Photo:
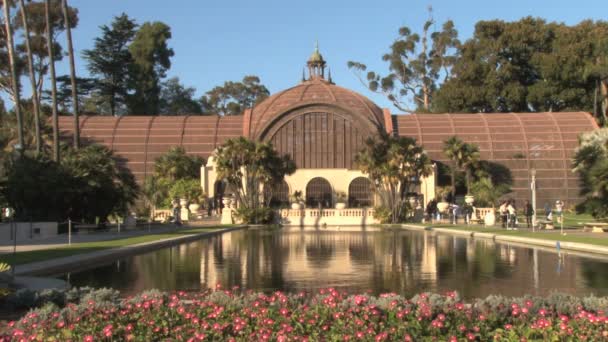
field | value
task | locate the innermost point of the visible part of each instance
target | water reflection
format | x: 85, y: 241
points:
x: 381, y: 261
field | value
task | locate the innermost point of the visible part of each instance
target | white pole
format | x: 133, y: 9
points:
x: 69, y: 231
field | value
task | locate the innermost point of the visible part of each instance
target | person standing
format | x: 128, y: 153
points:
x: 528, y: 212
x: 547, y: 211
x: 512, y: 214
x: 503, y: 213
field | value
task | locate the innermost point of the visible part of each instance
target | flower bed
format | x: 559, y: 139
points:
x: 327, y: 315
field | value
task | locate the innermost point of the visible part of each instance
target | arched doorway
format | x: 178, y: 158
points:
x: 360, y: 193
x: 318, y: 193
x: 276, y: 195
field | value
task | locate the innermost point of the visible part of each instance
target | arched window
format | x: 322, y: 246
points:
x: 277, y: 194
x: 318, y: 191
x: 360, y: 193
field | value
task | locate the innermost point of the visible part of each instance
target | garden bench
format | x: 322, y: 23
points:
x: 595, y: 227
x: 86, y: 228
x: 546, y: 224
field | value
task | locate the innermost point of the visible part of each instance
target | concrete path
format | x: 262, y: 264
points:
x: 6, y: 247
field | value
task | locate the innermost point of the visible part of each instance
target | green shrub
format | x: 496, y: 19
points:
x: 255, y: 216
x: 382, y: 214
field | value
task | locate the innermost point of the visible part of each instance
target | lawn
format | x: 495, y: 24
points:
x: 86, y: 247
x: 542, y: 235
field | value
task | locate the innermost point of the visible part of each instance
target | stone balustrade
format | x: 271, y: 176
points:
x: 162, y: 215
x: 319, y: 217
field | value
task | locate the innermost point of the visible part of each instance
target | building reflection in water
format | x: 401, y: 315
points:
x: 356, y: 260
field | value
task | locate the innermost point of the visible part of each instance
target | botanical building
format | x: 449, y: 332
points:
x: 322, y: 126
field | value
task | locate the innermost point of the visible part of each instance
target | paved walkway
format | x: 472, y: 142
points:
x: 6, y: 247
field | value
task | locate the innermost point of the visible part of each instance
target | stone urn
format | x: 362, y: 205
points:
x: 297, y: 206
x: 469, y: 199
x: 226, y: 201
x: 194, y: 207
x: 183, y: 202
x: 412, y: 200
x: 443, y: 207
x: 340, y: 205
x: 490, y: 218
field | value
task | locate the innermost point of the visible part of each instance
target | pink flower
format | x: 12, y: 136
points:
x: 88, y: 338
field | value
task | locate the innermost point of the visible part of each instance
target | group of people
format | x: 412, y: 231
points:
x: 454, y: 211
x: 508, y: 214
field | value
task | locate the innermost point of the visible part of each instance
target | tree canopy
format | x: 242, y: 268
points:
x: 394, y: 165
x: 528, y: 65
x: 233, y: 97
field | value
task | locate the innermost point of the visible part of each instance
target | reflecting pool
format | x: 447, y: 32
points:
x: 405, y: 262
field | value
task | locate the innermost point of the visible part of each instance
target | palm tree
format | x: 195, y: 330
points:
x: 49, y: 43
x: 14, y: 78
x: 452, y: 148
x: 68, y: 31
x: 35, y: 98
x: 470, y: 157
x: 464, y: 156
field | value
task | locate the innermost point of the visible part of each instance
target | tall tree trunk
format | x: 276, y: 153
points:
x: 49, y: 43
x: 14, y: 77
x: 604, y: 93
x: 468, y: 175
x: 453, y: 176
x: 30, y: 64
x: 68, y: 30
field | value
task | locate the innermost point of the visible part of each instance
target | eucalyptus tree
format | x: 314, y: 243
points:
x: 49, y: 44
x: 416, y: 63
x: 32, y: 75
x: 248, y: 166
x: 68, y: 31
x: 394, y: 165
x: 14, y: 74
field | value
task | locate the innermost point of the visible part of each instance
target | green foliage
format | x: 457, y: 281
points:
x: 383, y: 214
x: 487, y: 193
x: 89, y: 183
x: 233, y: 97
x: 416, y: 63
x: 464, y: 156
x: 527, y: 65
x: 38, y: 189
x: 190, y: 189
x: 247, y: 165
x: 110, y: 61
x: 177, y: 164
x: 104, y: 185
x: 394, y: 165
x: 173, y: 169
x: 341, y: 196
x: 37, y: 27
x: 297, y: 197
x: 151, y: 60
x: 263, y: 215
x: 177, y: 99
x: 591, y: 163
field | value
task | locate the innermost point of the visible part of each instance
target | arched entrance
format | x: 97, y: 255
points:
x: 276, y: 195
x: 360, y: 193
x: 318, y: 193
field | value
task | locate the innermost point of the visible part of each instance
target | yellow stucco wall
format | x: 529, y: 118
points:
x: 339, y: 179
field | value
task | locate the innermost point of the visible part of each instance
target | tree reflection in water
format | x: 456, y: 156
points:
x: 356, y: 260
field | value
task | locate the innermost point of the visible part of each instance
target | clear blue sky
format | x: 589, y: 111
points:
x: 215, y: 41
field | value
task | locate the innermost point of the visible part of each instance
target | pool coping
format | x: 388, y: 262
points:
x: 541, y: 242
x: 85, y: 260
